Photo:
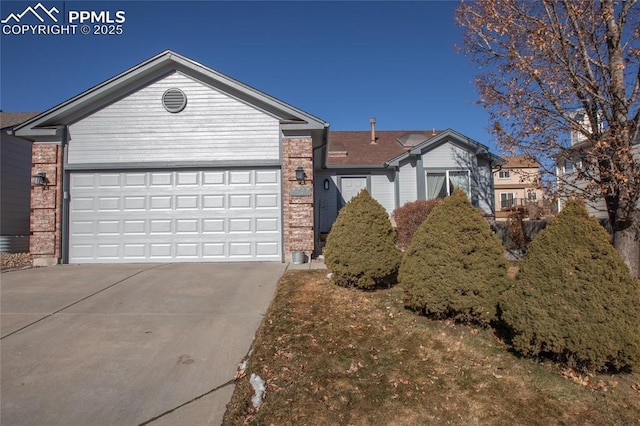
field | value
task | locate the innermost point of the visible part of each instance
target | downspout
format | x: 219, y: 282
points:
x: 316, y: 209
x: 65, y: 198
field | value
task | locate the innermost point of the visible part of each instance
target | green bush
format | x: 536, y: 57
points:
x: 409, y: 217
x: 574, y: 299
x: 360, y: 249
x: 455, y: 267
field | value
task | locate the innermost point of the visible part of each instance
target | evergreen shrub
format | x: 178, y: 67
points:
x: 574, y: 299
x: 360, y: 250
x: 455, y: 267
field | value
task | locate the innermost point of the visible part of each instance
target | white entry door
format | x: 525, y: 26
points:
x: 175, y: 216
x: 351, y: 186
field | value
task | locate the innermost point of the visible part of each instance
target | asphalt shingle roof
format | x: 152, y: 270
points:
x: 11, y: 119
x: 354, y: 148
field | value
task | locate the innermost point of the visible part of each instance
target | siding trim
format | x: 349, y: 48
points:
x: 396, y: 188
x: 421, y: 186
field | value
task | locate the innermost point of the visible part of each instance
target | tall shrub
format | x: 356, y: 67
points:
x: 455, y: 267
x: 574, y: 299
x: 409, y: 217
x: 360, y: 249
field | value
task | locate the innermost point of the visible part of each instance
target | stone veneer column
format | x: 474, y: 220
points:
x: 297, y: 198
x: 46, y: 205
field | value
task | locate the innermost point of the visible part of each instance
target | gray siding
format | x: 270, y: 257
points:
x: 596, y: 208
x: 482, y: 182
x: 447, y: 156
x: 15, y: 170
x: 213, y: 127
x: 408, y: 183
x: 382, y: 189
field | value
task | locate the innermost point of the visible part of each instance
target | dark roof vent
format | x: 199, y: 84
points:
x: 411, y: 140
x: 174, y: 100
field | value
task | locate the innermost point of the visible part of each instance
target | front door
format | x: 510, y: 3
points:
x: 350, y: 187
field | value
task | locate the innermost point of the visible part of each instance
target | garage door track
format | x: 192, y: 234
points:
x: 127, y: 344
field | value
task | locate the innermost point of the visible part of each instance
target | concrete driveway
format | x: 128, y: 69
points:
x: 126, y: 344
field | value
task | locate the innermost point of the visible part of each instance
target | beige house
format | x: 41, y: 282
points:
x: 516, y: 185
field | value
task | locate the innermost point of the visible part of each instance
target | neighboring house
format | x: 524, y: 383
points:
x: 397, y: 167
x: 568, y: 167
x: 517, y: 187
x: 171, y: 161
x: 15, y: 184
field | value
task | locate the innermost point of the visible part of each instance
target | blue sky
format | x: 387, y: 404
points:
x: 340, y: 61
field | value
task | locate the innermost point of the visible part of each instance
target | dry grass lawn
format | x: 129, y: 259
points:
x: 331, y: 355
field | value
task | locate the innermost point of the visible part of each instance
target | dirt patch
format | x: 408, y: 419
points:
x: 332, y: 355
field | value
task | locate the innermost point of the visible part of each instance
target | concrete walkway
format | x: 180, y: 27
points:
x: 127, y: 344
x: 315, y: 263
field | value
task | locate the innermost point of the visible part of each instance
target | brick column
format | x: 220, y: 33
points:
x: 46, y: 205
x: 297, y: 198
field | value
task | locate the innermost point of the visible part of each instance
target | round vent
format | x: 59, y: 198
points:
x: 174, y: 100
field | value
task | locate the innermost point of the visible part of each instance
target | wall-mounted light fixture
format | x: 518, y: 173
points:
x: 300, y: 175
x: 326, y: 184
x: 40, y: 179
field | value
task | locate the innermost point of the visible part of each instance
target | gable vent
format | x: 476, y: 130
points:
x: 174, y: 100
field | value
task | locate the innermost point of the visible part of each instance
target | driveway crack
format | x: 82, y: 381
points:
x: 209, y: 392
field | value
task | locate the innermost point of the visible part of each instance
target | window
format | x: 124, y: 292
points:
x: 568, y: 166
x: 441, y: 184
x: 507, y: 200
x: 532, y: 196
x: 504, y: 174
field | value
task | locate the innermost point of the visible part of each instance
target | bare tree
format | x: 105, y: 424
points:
x: 543, y: 61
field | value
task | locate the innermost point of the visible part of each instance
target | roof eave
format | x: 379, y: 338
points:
x: 356, y: 166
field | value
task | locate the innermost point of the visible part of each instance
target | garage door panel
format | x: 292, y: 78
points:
x: 213, y: 202
x: 109, y: 180
x: 240, y: 201
x: 267, y: 176
x: 215, y: 215
x: 214, y: 178
x: 240, y: 177
x: 135, y: 180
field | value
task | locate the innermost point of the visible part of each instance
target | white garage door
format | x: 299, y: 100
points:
x: 175, y: 216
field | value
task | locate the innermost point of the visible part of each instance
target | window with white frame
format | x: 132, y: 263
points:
x: 504, y: 174
x: 443, y: 183
x: 532, y: 196
x: 507, y: 200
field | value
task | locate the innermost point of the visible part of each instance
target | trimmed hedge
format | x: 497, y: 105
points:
x: 360, y: 249
x: 409, y: 217
x: 574, y: 299
x: 455, y: 267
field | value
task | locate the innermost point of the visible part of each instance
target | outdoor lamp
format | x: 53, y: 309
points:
x: 300, y: 175
x: 40, y: 179
x: 326, y: 184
